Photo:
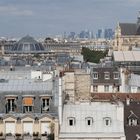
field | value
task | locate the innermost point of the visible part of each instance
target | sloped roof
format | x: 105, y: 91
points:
x: 115, y: 96
x: 128, y: 28
x: 126, y: 56
x: 134, y: 80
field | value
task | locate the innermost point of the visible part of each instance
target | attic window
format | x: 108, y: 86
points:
x: 27, y: 104
x: 107, y: 121
x: 132, y: 119
x: 95, y: 75
x: 89, y: 121
x: 45, y: 103
x: 71, y: 121
x: 106, y: 75
x: 116, y: 75
x: 132, y: 122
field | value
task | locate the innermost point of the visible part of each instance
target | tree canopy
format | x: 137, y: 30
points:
x: 93, y: 55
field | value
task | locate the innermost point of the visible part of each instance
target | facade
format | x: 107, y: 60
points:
x: 95, y: 120
x: 127, y: 36
x: 133, y: 83
x: 81, y: 117
x: 76, y: 85
x: 131, y: 111
x: 71, y: 48
x: 105, y: 79
x: 28, y: 104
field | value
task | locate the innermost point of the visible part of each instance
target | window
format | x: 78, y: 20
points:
x: 133, y: 119
x: 133, y: 122
x: 106, y: 88
x: 95, y: 75
x: 107, y: 75
x: 71, y: 121
x: 107, y: 121
x: 27, y: 104
x: 10, y: 104
x: 116, y: 75
x: 95, y: 88
x: 45, y: 103
x: 89, y: 121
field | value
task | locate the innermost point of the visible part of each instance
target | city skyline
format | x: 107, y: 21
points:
x: 53, y: 17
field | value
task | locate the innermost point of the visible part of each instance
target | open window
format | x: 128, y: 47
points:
x: 45, y: 103
x: 11, y: 104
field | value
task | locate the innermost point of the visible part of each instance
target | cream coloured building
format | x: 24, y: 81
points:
x: 28, y: 105
x: 127, y: 36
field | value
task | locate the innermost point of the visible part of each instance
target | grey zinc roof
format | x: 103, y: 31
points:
x: 126, y: 56
x: 128, y: 28
x: 134, y: 80
x: 21, y: 81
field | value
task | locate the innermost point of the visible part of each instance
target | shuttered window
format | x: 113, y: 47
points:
x: 28, y: 101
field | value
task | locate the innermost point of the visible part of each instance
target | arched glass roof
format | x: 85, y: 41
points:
x: 27, y: 44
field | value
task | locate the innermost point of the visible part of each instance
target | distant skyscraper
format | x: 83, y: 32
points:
x: 100, y: 33
x: 108, y: 34
x: 72, y: 35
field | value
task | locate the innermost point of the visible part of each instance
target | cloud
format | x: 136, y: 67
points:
x: 12, y: 10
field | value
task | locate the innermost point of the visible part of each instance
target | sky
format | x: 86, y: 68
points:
x: 41, y: 18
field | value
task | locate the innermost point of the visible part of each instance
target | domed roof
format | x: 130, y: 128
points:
x: 27, y: 44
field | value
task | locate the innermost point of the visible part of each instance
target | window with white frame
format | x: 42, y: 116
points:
x: 89, y: 121
x: 10, y: 104
x: 45, y: 103
x: 132, y: 122
x: 133, y: 119
x: 95, y: 75
x: 106, y: 88
x: 71, y: 121
x: 95, y: 88
x: 107, y: 121
x: 116, y: 75
x: 106, y: 75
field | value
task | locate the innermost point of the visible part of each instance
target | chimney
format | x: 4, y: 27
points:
x: 127, y: 100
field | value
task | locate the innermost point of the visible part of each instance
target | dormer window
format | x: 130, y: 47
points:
x: 45, y: 103
x: 11, y: 104
x: 116, y: 75
x: 107, y: 121
x: 71, y: 121
x: 106, y: 75
x: 28, y: 104
x: 95, y: 75
x: 89, y: 121
x: 133, y: 122
x: 132, y: 119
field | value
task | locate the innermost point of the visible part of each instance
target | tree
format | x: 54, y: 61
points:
x: 92, y: 55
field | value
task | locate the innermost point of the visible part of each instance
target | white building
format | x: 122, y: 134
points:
x: 134, y: 86
x: 92, y: 121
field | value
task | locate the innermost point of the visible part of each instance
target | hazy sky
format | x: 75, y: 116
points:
x: 46, y: 17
